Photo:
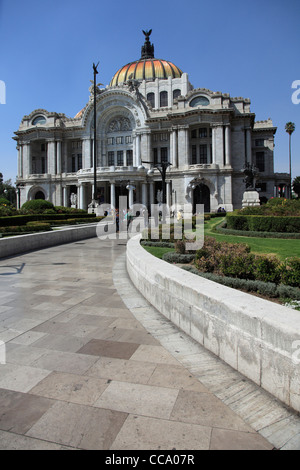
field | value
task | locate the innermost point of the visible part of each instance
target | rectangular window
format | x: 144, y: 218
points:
x: 155, y: 156
x: 120, y: 160
x: 202, y: 132
x: 194, y: 154
x: 203, y: 153
x: 129, y: 157
x: 43, y: 148
x: 260, y: 161
x: 110, y: 141
x: 164, y: 154
x: 119, y: 140
x: 79, y: 161
x: 259, y: 143
x: 43, y: 160
x: 128, y: 139
x: 111, y: 158
x: 163, y: 137
x: 73, y: 163
x: 194, y: 134
x: 79, y: 144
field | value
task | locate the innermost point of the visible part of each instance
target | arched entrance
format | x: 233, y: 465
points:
x: 39, y: 195
x: 201, y: 196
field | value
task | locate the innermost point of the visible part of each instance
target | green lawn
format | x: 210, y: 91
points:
x: 157, y: 250
x: 283, y: 248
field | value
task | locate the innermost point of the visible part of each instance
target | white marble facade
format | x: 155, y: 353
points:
x: 207, y: 137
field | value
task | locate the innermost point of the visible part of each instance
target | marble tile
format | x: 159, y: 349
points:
x: 71, y: 388
x: 138, y: 399
x: 143, y: 433
x: 116, y: 349
x: 20, y: 411
x: 79, y: 426
x: 21, y: 378
x: 122, y: 370
x: 223, y: 439
x: 207, y: 410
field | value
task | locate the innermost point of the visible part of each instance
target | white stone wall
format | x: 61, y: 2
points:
x: 254, y: 336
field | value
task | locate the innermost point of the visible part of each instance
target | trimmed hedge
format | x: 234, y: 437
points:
x: 222, y: 228
x: 180, y: 258
x: 261, y: 223
x: 264, y: 288
x: 31, y: 227
x: 24, y: 219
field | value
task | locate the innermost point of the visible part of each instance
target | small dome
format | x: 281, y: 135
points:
x: 146, y: 69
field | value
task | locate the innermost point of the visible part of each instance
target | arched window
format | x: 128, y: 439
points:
x: 151, y: 99
x: 163, y: 103
x: 39, y: 195
x: 199, y: 101
x: 39, y: 120
x: 176, y: 93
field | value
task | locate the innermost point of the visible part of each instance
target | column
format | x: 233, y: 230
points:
x: 112, y: 194
x: 168, y: 193
x: 227, y: 146
x: 174, y: 148
x: 20, y: 160
x: 145, y: 152
x: 130, y: 195
x: 26, y: 159
x: 65, y: 196
x: 138, y: 150
x: 213, y: 144
x: 183, y: 146
x: 144, y: 194
x: 58, y: 157
x: 51, y: 157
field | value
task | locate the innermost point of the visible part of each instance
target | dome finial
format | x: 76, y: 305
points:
x: 147, y: 48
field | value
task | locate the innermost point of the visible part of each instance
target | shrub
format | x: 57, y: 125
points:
x: 267, y: 269
x: 4, y: 202
x: 263, y: 223
x: 36, y: 206
x: 180, y: 246
x: 180, y: 258
x: 290, y: 272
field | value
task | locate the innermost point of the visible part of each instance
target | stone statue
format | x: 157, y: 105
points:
x: 250, y: 173
x: 73, y: 199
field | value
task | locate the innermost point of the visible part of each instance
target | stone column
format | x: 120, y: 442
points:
x: 58, y: 158
x: 65, y: 196
x: 213, y: 144
x: 20, y: 160
x: 227, y: 146
x: 112, y: 194
x: 174, y: 148
x: 138, y: 150
x: 51, y: 157
x: 183, y: 146
x: 168, y: 193
x: 26, y: 159
x: 144, y: 194
x: 130, y: 196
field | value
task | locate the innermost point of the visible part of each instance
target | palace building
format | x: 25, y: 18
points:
x: 149, y: 114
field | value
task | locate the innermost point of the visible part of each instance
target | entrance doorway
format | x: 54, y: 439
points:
x: 39, y: 195
x: 201, y: 196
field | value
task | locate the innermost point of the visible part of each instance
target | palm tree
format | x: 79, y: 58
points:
x: 289, y: 128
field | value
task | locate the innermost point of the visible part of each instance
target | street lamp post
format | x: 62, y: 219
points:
x: 162, y: 168
x: 95, y: 134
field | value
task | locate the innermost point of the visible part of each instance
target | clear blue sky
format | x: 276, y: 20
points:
x: 248, y: 49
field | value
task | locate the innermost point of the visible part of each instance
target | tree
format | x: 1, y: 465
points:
x: 289, y: 128
x: 7, y: 190
x: 296, y: 186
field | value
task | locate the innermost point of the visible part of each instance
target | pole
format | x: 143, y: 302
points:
x: 290, y: 160
x: 95, y: 134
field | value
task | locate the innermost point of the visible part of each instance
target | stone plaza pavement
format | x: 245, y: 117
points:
x: 91, y: 365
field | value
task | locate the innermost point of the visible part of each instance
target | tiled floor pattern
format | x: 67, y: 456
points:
x: 82, y: 372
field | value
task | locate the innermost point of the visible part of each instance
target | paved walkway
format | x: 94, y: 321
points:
x: 91, y: 365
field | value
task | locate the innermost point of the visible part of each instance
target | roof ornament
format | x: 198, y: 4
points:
x: 147, y: 48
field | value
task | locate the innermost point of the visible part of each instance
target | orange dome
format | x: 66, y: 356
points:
x: 146, y: 69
